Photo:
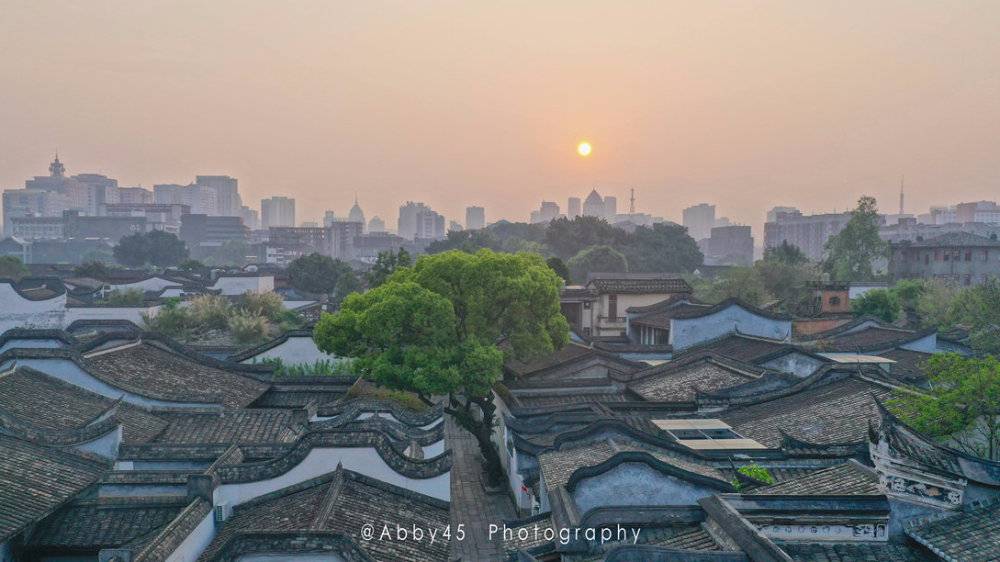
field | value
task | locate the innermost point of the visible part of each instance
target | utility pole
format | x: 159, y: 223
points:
x: 631, y: 201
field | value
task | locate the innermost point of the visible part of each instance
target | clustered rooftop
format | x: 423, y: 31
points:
x: 722, y: 437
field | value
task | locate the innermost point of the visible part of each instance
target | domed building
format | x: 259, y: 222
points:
x: 356, y: 214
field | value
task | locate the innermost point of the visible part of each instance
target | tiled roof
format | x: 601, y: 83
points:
x: 833, y: 413
x: 694, y: 538
x: 567, y: 353
x: 868, y: 338
x: 661, y: 318
x: 739, y: 347
x: 638, y: 283
x: 94, y: 524
x: 558, y: 466
x: 563, y: 399
x: 856, y: 552
x: 681, y: 383
x: 277, y: 398
x: 341, y: 502
x: 231, y: 426
x: 848, y: 478
x: 957, y: 240
x: 49, y: 403
x: 910, y: 365
x: 151, y: 371
x: 971, y: 535
x: 35, y: 480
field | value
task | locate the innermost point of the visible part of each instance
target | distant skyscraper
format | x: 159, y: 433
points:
x: 610, y: 207
x: 475, y: 218
x: 455, y: 226
x: 135, y: 195
x: 277, y: 211
x: 699, y: 220
x: 251, y: 218
x: 376, y: 224
x: 356, y: 214
x: 545, y: 213
x: 593, y: 206
x: 226, y: 190
x: 417, y: 220
x: 773, y: 214
x: 573, y: 207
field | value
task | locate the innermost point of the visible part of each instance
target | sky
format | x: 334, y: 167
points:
x: 743, y: 104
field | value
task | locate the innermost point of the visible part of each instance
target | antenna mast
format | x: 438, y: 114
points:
x: 631, y: 201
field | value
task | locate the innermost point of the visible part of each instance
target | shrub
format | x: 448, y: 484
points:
x: 171, y: 320
x: 269, y: 305
x: 210, y: 312
x: 755, y: 471
x: 320, y: 367
x: 124, y: 297
x: 247, y: 328
x: 403, y: 398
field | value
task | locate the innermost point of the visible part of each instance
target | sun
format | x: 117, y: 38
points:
x: 583, y: 149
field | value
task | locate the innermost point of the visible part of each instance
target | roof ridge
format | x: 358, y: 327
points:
x: 330, y: 499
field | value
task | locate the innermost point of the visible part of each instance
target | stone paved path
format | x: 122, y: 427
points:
x: 470, y: 504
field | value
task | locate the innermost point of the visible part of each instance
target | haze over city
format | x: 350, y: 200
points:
x: 457, y: 103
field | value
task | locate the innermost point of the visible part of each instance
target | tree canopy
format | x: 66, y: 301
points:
x: 158, y: 248
x: 386, y: 264
x: 962, y: 405
x: 852, y: 253
x: 444, y: 327
x: 881, y: 303
x: 596, y: 259
x: 316, y: 273
x: 787, y: 254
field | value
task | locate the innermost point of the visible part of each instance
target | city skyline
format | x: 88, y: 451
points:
x: 684, y: 103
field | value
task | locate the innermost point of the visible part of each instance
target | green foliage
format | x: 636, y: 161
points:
x: 316, y: 273
x: 210, y: 312
x: 787, y: 254
x: 172, y: 320
x: 435, y: 329
x: 347, y: 283
x: 124, y: 297
x: 93, y: 269
x: 386, y: 264
x: 230, y: 253
x: 962, y: 406
x: 247, y: 327
x: 405, y: 399
x: 792, y: 284
x: 568, y: 237
x: 662, y: 247
x: 191, y: 265
x: 755, y: 471
x: 319, y: 367
x: 852, y: 252
x: 557, y: 265
x: 743, y: 283
x: 881, y: 303
x: 596, y: 259
x: 12, y: 268
x: 269, y: 305
x: 158, y: 248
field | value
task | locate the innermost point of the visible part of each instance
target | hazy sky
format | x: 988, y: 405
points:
x: 744, y: 104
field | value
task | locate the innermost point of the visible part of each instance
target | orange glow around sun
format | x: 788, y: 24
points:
x: 584, y: 149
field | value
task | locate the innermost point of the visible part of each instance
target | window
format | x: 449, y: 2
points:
x: 612, y: 307
x: 834, y: 301
x: 968, y: 255
x: 927, y: 258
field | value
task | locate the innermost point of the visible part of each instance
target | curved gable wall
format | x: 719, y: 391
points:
x: 633, y: 484
x: 686, y: 332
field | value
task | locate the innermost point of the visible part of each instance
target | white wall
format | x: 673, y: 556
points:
x: 196, y: 542
x: 685, y: 333
x: 295, y: 350
x: 34, y: 343
x: 19, y: 312
x: 151, y: 284
x: 233, y: 286
x: 322, y: 461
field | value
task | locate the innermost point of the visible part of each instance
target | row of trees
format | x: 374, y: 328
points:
x: 586, y: 244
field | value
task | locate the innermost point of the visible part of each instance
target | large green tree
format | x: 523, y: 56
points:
x: 158, y: 248
x: 596, y: 259
x: 566, y: 238
x: 852, y: 253
x: 662, y: 247
x: 962, y: 406
x: 880, y: 303
x: 444, y: 328
x: 316, y: 273
x: 386, y: 264
x: 785, y: 253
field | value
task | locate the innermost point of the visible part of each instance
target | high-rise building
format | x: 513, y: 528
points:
x: 593, y: 205
x: 277, y: 211
x: 610, y: 207
x: 226, y: 191
x: 573, y: 207
x: 809, y: 232
x: 979, y: 211
x: 417, y: 220
x: 356, y: 214
x: 775, y: 212
x: 251, y: 218
x: 46, y: 196
x: 475, y: 218
x: 730, y: 245
x: 547, y: 212
x: 135, y: 196
x: 376, y: 225
x: 699, y: 220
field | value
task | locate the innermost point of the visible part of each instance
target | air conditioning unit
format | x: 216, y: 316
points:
x: 222, y: 512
